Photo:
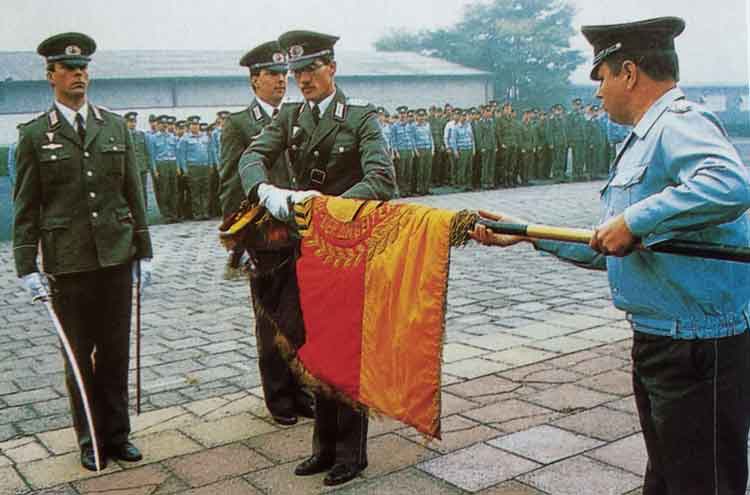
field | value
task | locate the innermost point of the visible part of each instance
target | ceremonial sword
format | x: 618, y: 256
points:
x: 583, y: 236
x: 76, y: 373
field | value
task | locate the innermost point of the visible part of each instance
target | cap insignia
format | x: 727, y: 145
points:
x: 296, y: 51
x: 72, y: 50
x: 279, y: 58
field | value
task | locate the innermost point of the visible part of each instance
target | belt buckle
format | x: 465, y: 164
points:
x: 317, y: 176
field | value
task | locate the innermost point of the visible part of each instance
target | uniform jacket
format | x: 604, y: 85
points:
x: 344, y: 155
x: 676, y: 176
x: 239, y: 131
x: 82, y: 201
x: 142, y: 151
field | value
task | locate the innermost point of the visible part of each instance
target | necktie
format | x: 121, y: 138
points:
x: 275, y: 113
x: 316, y: 113
x: 80, y: 128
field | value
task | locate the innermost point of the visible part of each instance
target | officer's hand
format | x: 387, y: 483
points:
x: 146, y: 268
x: 279, y: 201
x: 485, y: 236
x: 613, y: 237
x: 37, y: 285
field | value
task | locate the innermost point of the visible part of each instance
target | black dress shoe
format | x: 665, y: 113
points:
x: 341, y: 473
x: 126, y: 451
x: 313, y: 465
x: 285, y: 419
x: 88, y: 460
x: 304, y: 409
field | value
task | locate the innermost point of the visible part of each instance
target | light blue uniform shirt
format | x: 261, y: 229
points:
x: 676, y: 176
x: 461, y: 137
x: 215, y: 149
x: 12, y: 166
x: 163, y: 147
x: 401, y: 138
x: 422, y: 136
x: 386, y: 130
x: 193, y: 150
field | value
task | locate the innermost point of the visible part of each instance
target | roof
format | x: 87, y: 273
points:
x: 151, y: 64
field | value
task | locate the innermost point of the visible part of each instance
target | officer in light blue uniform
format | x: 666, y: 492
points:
x: 461, y: 143
x: 193, y: 158
x: 164, y: 153
x: 12, y: 166
x: 402, y: 142
x: 385, y: 127
x: 425, y: 149
x: 676, y: 176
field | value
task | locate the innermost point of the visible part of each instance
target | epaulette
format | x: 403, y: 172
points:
x: 680, y: 106
x: 33, y: 119
x: 357, y: 102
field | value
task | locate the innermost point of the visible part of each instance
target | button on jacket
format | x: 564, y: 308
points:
x: 677, y: 176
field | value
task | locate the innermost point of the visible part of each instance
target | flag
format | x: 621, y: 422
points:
x: 372, y: 278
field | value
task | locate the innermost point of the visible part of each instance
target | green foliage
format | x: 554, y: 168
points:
x: 524, y: 43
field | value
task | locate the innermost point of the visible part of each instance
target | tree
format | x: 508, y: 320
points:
x: 523, y: 43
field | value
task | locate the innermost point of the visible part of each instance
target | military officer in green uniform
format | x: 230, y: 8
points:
x: 272, y: 274
x: 437, y: 122
x: 575, y: 131
x: 336, y: 147
x: 142, y: 153
x: 78, y: 195
x: 558, y: 142
x: 486, y: 147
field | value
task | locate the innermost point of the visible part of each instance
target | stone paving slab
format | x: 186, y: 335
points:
x: 582, y: 475
x: 545, y: 444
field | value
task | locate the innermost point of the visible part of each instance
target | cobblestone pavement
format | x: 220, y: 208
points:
x: 536, y: 387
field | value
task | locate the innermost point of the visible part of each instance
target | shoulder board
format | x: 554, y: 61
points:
x: 34, y: 118
x: 680, y: 106
x: 357, y: 102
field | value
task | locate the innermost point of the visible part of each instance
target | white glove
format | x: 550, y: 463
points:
x: 279, y: 202
x: 37, y: 285
x: 147, y: 267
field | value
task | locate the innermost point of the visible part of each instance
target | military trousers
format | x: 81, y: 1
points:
x: 197, y: 186
x: 340, y: 432
x: 214, y: 184
x: 168, y: 193
x: 405, y: 171
x: 527, y: 165
x: 273, y: 290
x: 94, y: 308
x: 438, y: 166
x: 487, y: 168
x: 693, y: 401
x: 463, y: 169
x: 423, y: 171
x: 559, y: 161
x: 578, y: 166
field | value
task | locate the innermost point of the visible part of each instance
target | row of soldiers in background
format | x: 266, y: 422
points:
x: 491, y: 146
x: 182, y: 157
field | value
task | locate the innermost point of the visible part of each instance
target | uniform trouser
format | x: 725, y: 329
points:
x: 525, y: 164
x: 166, y: 184
x: 94, y: 309
x: 693, y: 400
x: 578, y: 153
x: 405, y: 171
x: 544, y: 162
x: 487, y: 168
x: 438, y: 167
x: 510, y: 165
x: 450, y: 164
x: 214, y: 206
x: 276, y: 303
x: 423, y: 171
x: 462, y: 175
x: 559, y: 161
x: 340, y: 432
x: 197, y: 189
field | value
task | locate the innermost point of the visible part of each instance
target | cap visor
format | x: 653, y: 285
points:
x: 300, y: 64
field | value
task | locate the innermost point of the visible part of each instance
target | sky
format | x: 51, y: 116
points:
x: 713, y: 48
